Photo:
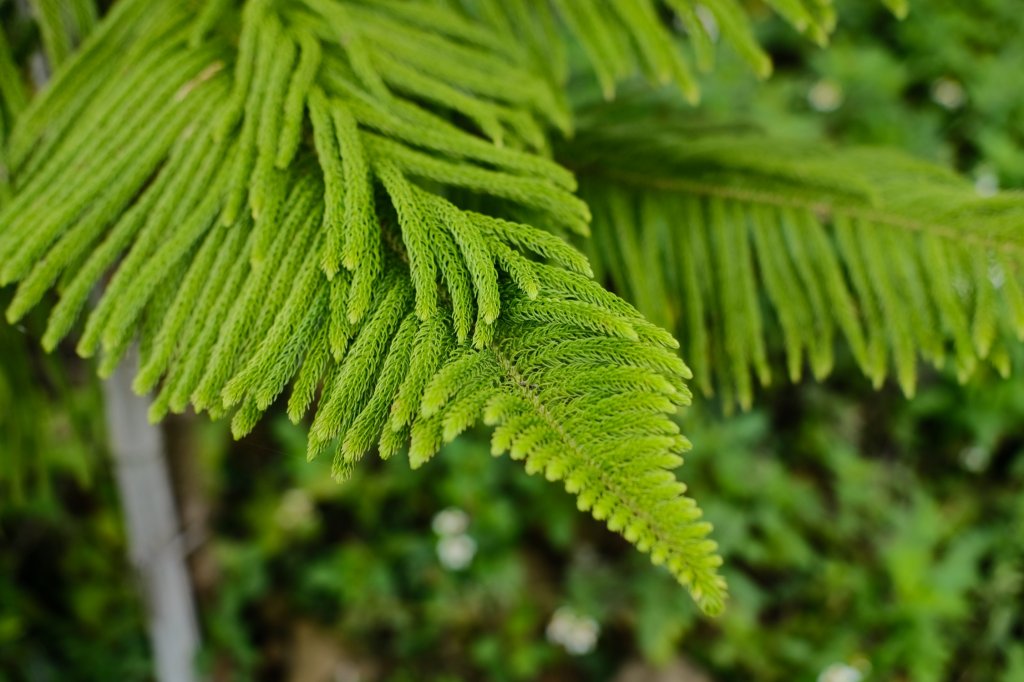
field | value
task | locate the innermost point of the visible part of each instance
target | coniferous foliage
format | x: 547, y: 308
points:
x: 901, y: 259
x: 275, y: 192
x: 356, y: 203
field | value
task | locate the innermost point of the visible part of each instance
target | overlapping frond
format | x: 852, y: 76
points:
x: 728, y: 238
x: 384, y: 159
x: 623, y: 37
x: 339, y: 198
x: 13, y: 98
x: 62, y: 26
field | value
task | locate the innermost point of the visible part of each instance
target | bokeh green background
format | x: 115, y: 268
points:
x: 865, y: 537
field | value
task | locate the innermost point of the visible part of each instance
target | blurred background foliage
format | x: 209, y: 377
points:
x: 865, y: 537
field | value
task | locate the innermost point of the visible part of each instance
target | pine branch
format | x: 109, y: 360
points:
x: 622, y: 37
x: 283, y: 195
x: 33, y: 451
x: 13, y: 98
x: 62, y: 25
x: 901, y: 258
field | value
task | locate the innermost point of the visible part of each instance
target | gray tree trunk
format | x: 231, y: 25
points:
x: 156, y: 545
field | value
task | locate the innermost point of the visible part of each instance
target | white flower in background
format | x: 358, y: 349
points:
x: 840, y: 672
x: 456, y: 552
x: 295, y: 509
x: 974, y: 459
x: 986, y: 182
x: 455, y: 549
x: 825, y: 96
x: 948, y: 93
x: 450, y: 521
x: 575, y: 633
